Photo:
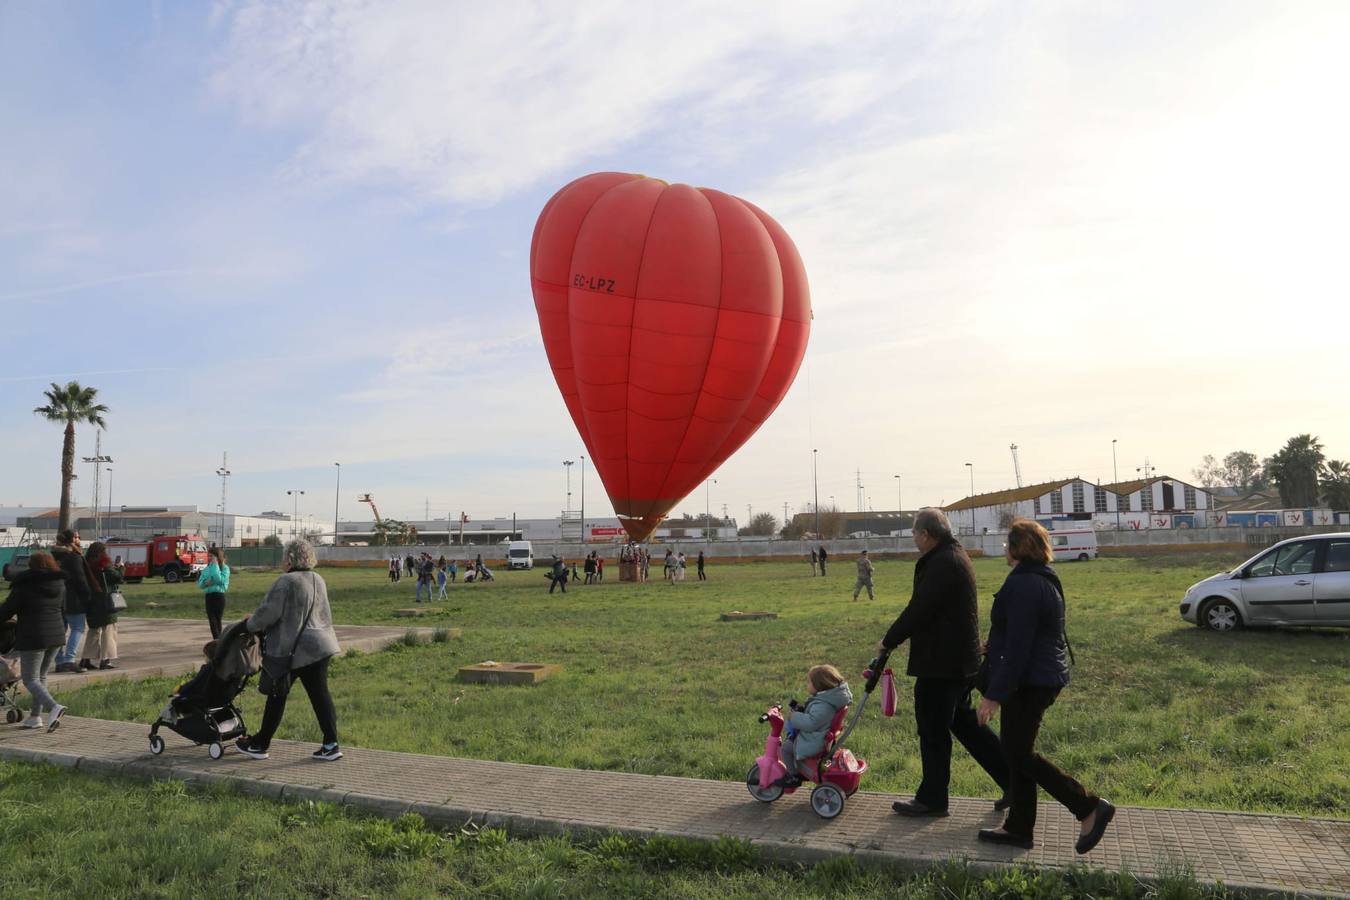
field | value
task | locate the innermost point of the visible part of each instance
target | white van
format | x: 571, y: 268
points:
x: 520, y: 555
x: 1075, y: 543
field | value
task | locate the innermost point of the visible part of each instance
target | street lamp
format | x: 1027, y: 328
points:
x: 899, y: 510
x: 98, y: 459
x: 109, y: 471
x: 295, y: 508
x: 971, y: 466
x: 1115, y: 479
x: 568, y: 464
x: 337, y: 492
x: 583, y: 498
x: 224, y: 474
x: 707, y: 509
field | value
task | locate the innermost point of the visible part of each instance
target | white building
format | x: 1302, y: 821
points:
x: 597, y: 530
x: 1158, y: 502
x: 137, y: 522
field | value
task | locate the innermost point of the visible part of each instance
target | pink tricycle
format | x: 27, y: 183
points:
x: 836, y: 772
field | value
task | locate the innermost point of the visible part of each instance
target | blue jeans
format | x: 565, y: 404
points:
x: 76, y: 624
x: 421, y: 584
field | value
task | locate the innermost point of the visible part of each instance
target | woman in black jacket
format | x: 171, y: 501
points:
x: 1027, y: 669
x: 100, y: 647
x: 38, y: 598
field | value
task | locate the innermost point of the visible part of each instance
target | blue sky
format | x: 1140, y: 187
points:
x: 299, y: 233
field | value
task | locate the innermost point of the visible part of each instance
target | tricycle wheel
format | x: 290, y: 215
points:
x: 156, y: 744
x: 763, y: 795
x: 827, y: 800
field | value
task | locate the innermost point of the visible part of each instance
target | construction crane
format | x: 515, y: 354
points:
x: 368, y: 498
x: 1017, y: 466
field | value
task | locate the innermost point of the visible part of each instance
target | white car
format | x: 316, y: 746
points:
x: 1300, y: 582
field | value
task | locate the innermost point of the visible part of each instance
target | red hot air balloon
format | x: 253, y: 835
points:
x: 675, y: 319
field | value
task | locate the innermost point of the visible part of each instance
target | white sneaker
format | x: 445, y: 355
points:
x: 32, y: 722
x: 54, y: 717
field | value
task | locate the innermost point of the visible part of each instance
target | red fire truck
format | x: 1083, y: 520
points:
x: 177, y: 557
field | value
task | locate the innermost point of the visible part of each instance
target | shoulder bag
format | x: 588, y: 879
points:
x: 116, y: 602
x: 274, y: 679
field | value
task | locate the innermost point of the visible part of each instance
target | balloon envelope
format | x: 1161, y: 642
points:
x: 675, y: 319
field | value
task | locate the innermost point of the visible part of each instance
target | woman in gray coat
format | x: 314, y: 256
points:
x: 296, y: 621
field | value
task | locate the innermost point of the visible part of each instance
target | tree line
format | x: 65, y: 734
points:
x: 1300, y: 471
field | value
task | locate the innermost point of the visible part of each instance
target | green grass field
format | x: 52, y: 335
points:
x: 1159, y: 712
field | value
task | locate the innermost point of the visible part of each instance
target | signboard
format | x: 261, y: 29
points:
x: 1160, y: 521
x: 602, y: 531
x: 1294, y: 517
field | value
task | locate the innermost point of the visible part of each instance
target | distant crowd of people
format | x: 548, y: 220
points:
x: 435, y: 574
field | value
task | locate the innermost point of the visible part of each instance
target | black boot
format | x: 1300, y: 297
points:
x: 86, y: 665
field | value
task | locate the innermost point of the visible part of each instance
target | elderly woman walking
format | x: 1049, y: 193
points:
x: 1027, y: 670
x: 38, y: 598
x: 298, y: 643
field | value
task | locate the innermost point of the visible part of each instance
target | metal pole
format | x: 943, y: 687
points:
x: 337, y: 493
x: 971, y: 466
x: 899, y: 512
x: 224, y: 473
x: 815, y: 493
x: 583, y: 498
x: 1115, y: 479
x: 567, y: 464
x: 295, y: 508
x: 109, y: 471
x: 707, y: 509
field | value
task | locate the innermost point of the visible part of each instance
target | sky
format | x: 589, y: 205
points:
x: 298, y: 232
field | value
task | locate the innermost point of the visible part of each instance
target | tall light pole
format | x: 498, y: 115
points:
x: 971, y: 466
x: 1115, y: 479
x: 567, y: 463
x: 98, y: 459
x: 295, y: 508
x: 899, y: 511
x: 815, y: 493
x: 337, y: 493
x: 109, y: 471
x: 224, y: 473
x: 583, y: 498
x: 707, y: 509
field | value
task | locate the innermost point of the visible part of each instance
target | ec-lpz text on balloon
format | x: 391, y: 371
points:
x: 592, y: 283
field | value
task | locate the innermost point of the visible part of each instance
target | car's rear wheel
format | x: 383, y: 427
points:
x: 1220, y: 615
x: 172, y: 576
x: 1083, y: 557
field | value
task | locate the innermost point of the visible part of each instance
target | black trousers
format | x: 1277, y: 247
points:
x: 558, y: 582
x: 942, y: 709
x: 215, y: 612
x: 315, y: 679
x: 1021, y: 717
x: 701, y: 576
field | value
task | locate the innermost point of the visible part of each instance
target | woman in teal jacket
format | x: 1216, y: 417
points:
x: 215, y: 581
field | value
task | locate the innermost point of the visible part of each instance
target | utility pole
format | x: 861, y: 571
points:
x: 98, y: 459
x: 971, y: 466
x: 583, y: 499
x: 337, y: 493
x: 224, y: 473
x: 785, y: 506
x: 109, y: 471
x: 567, y: 463
x: 858, y: 496
x: 1017, y: 466
x: 899, y: 511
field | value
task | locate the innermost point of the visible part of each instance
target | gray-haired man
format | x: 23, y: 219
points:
x: 941, y: 624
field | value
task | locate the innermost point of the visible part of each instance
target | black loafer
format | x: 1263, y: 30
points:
x: 1105, y: 813
x: 1002, y: 803
x: 917, y: 810
x: 999, y: 836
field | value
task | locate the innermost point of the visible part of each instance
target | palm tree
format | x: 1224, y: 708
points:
x: 1336, y: 484
x: 1295, y: 469
x: 70, y: 404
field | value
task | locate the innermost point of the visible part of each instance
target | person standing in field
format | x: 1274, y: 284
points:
x: 668, y: 570
x: 37, y: 595
x: 941, y: 624
x: 393, y: 569
x: 589, y: 567
x: 823, y: 556
x: 815, y: 562
x: 557, y: 575
x: 646, y: 563
x: 214, y: 582
x: 599, y: 567
x: 452, y: 570
x: 865, y: 570
x: 701, y: 575
x: 1027, y: 670
x: 440, y: 579
x: 67, y: 554
x: 680, y: 564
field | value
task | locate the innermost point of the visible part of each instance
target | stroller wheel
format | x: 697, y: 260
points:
x: 763, y: 795
x: 216, y: 750
x: 827, y: 800
x: 156, y: 744
x: 12, y: 716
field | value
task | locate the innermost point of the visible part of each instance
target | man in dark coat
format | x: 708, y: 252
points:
x: 79, y: 592
x: 557, y: 575
x: 941, y: 624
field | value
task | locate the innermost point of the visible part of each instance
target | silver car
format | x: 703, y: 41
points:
x: 1302, y: 581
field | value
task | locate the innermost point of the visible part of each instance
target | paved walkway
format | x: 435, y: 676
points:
x: 148, y: 647
x: 1256, y: 851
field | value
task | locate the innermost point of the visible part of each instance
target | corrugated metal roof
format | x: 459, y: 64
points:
x: 1015, y: 495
